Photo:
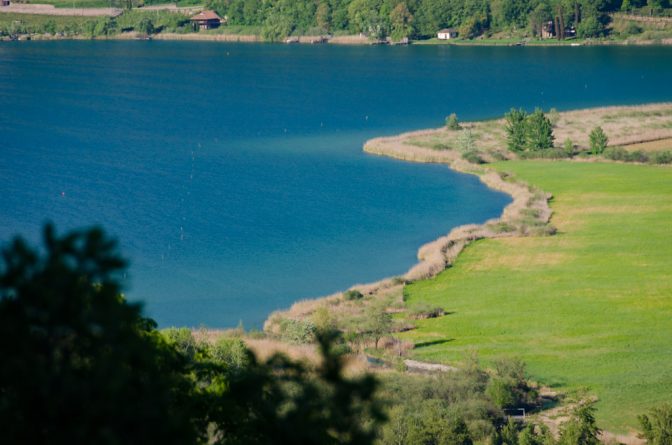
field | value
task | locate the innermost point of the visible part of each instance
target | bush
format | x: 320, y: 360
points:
x: 232, y: 353
x: 182, y: 340
x: 580, y: 429
x: 590, y: 27
x: 551, y: 153
x: 554, y: 117
x: 424, y: 312
x: 466, y: 141
x: 657, y: 425
x: 616, y: 153
x: 637, y: 156
x: 598, y: 141
x: 452, y: 123
x: 473, y: 156
x: 661, y: 157
x: 297, y: 331
x: 568, y: 147
x: 352, y: 294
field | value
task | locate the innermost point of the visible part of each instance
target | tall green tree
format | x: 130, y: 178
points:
x: 516, y: 134
x: 581, y: 428
x: 539, y: 131
x: 401, y: 21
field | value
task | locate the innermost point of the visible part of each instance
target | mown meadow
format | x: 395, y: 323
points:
x: 589, y: 308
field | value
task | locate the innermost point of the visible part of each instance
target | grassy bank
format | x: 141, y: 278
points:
x: 587, y: 308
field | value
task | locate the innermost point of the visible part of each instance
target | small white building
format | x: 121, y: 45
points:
x: 447, y: 34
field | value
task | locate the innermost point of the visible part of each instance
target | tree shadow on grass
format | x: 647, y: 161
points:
x: 425, y: 344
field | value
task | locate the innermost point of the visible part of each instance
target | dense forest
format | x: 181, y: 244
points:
x: 422, y: 18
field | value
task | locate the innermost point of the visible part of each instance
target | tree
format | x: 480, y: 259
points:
x: 509, y: 433
x: 452, y: 123
x: 401, y: 21
x: 322, y: 16
x: 466, y: 141
x: 378, y: 323
x: 277, y: 26
x: 590, y: 27
x: 598, y: 140
x: 535, y: 435
x: 515, y: 129
x: 538, y: 17
x: 657, y: 425
x: 363, y: 15
x: 580, y: 429
x: 80, y: 364
x: 539, y: 131
x: 146, y: 26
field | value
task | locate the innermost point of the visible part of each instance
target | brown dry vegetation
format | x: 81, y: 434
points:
x: 623, y: 126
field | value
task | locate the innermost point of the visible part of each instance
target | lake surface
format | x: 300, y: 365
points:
x: 232, y: 174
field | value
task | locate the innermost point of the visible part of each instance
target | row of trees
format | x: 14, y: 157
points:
x: 533, y: 133
x: 423, y: 18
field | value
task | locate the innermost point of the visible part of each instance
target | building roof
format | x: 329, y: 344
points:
x: 447, y: 30
x: 206, y: 15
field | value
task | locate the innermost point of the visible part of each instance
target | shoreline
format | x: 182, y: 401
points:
x: 436, y: 256
x: 348, y: 40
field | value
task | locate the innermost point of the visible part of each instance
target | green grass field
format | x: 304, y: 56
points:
x: 588, y: 308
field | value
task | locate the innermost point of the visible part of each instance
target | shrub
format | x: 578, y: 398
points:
x: 466, y: 141
x: 553, y: 117
x: 598, y: 141
x: 297, y: 331
x: 590, y: 27
x: 661, y: 157
x: 232, y: 353
x: 182, y: 340
x: 657, y: 425
x: 551, y: 153
x: 424, y: 312
x: 352, y: 294
x: 323, y: 319
x: 637, y: 156
x: 615, y: 153
x: 580, y: 429
x: 452, y: 123
x: 568, y: 147
x: 473, y: 157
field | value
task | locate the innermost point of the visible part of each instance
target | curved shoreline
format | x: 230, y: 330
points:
x: 528, y: 214
x: 438, y: 255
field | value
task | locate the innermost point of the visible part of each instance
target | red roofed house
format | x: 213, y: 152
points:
x: 207, y: 20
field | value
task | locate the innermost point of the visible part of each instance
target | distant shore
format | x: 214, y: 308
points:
x: 359, y: 40
x: 338, y: 40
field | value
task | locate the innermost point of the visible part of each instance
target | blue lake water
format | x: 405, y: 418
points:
x: 232, y: 174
